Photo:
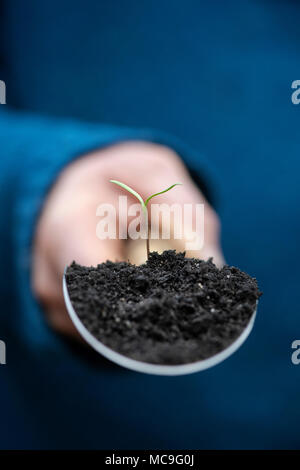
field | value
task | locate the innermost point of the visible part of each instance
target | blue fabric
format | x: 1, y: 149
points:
x: 218, y: 76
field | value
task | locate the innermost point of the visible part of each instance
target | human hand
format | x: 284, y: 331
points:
x: 66, y: 230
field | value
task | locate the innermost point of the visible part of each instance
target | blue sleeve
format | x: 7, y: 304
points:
x: 34, y: 149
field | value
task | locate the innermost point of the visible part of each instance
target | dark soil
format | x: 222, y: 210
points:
x: 170, y: 310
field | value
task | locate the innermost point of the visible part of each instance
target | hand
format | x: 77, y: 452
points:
x: 66, y: 230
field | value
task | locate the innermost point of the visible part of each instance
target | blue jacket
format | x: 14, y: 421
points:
x: 217, y: 75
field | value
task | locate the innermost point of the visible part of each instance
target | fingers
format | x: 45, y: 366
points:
x: 151, y: 168
x: 192, y: 218
x: 80, y: 243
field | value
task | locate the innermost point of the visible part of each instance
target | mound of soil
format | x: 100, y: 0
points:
x: 170, y: 310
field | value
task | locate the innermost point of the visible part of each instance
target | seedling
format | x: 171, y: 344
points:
x: 144, y: 204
